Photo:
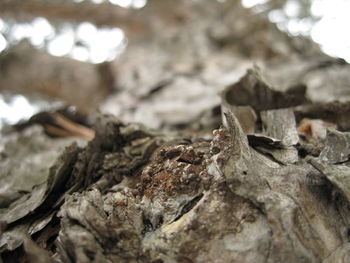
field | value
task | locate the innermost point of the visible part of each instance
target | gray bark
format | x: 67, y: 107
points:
x: 150, y: 196
x: 260, y: 188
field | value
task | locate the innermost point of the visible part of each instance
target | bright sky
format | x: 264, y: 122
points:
x: 104, y: 44
x: 23, y: 109
x: 96, y: 45
x: 86, y: 42
x: 83, y: 42
x: 19, y: 107
x: 331, y: 32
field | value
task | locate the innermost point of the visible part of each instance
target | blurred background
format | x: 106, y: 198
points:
x: 113, y: 56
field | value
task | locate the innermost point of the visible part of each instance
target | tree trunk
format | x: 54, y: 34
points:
x: 258, y: 173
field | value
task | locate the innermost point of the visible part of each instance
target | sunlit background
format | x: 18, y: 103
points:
x: 330, y: 30
x: 83, y: 41
x: 326, y: 24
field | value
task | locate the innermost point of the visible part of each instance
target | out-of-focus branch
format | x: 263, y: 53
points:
x: 99, y: 14
x: 77, y: 83
x: 155, y: 16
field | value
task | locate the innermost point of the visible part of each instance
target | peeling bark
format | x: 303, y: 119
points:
x: 260, y: 188
x: 135, y: 195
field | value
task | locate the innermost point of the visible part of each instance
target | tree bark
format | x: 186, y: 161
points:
x: 257, y: 174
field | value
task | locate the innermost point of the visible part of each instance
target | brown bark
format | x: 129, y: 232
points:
x: 26, y: 70
x: 59, y: 11
x: 258, y: 189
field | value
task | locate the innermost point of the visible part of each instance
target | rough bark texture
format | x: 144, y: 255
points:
x: 270, y: 185
x: 133, y: 195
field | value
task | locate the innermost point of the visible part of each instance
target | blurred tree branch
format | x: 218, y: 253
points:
x: 135, y: 22
x: 99, y: 14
